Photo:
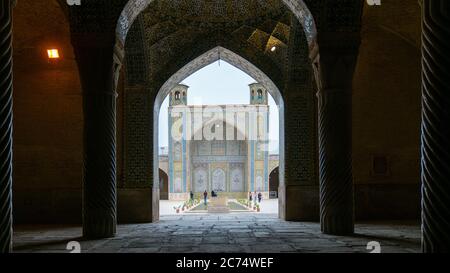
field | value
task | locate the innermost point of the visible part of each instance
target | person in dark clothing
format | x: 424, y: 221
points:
x: 259, y: 197
x: 192, y: 195
x: 205, y: 197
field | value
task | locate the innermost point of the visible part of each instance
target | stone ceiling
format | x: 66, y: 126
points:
x: 169, y: 34
x: 259, y: 19
x: 217, y: 10
x: 168, y: 24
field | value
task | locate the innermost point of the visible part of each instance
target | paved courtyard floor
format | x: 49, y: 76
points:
x: 166, y: 207
x: 237, y: 232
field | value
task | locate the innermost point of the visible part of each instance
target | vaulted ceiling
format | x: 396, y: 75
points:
x: 216, y: 10
x: 168, y: 28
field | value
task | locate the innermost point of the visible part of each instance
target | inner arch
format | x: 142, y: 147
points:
x: 209, y: 57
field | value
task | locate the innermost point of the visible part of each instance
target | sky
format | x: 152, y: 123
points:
x: 220, y: 83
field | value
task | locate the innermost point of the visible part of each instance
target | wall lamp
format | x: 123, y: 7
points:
x: 53, y: 55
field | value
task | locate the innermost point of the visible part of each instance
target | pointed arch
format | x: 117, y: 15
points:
x: 200, y: 62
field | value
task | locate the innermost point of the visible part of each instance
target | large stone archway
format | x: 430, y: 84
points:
x: 337, y: 37
x: 302, y: 108
x: 340, y: 43
x: 293, y: 78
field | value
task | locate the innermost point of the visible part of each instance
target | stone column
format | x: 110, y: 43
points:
x: 95, y: 63
x: 5, y: 126
x: 138, y: 199
x: 335, y: 142
x: 338, y: 54
x: 436, y: 126
x: 301, y: 193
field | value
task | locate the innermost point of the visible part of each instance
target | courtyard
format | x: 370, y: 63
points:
x: 167, y: 207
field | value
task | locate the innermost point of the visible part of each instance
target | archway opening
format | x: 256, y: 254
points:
x: 253, y: 43
x: 163, y: 180
x: 274, y: 180
x: 225, y: 153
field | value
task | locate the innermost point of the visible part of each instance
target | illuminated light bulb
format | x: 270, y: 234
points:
x: 273, y: 49
x: 53, y: 53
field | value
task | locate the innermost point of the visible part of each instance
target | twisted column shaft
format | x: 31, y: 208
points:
x: 5, y: 126
x: 99, y: 106
x: 335, y: 160
x: 436, y: 126
x: 334, y: 70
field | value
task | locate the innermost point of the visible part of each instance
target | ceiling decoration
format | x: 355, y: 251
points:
x: 222, y: 11
x: 215, y: 11
x: 261, y: 23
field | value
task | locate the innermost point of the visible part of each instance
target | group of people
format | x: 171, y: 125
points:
x: 253, y: 197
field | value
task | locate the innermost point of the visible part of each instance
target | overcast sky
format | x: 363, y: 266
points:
x: 219, y: 84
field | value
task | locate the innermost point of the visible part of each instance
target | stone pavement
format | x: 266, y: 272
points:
x: 166, y: 207
x: 239, y: 232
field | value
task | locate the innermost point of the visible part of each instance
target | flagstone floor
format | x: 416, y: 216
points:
x: 238, y: 232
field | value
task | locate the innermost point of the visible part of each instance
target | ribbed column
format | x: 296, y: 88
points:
x: 99, y: 105
x: 436, y: 126
x: 5, y: 127
x: 335, y: 160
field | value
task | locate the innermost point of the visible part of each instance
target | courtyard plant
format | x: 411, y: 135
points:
x: 177, y: 208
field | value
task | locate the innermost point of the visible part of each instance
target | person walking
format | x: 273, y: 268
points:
x: 192, y: 196
x: 259, y: 197
x: 205, y: 197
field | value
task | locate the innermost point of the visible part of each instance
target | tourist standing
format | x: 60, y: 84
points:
x: 192, y: 195
x: 205, y: 196
x: 259, y: 197
x: 250, y: 197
